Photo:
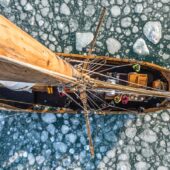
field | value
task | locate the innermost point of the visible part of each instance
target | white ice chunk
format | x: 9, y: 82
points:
x: 71, y: 137
x: 45, y: 11
x: 64, y: 129
x: 126, y: 10
x: 40, y: 159
x: 153, y: 31
x: 64, y: 9
x: 73, y: 24
x: 113, y: 45
x: 126, y: 22
x: 115, y: 11
x: 147, y: 152
x: 44, y: 2
x: 83, y: 39
x: 148, y: 136
x: 31, y: 159
x: 44, y: 136
x: 23, y: 2
x: 165, y: 56
x: 140, y: 47
x: 28, y: 7
x: 165, y: 1
x: 135, y: 29
x: 89, y: 10
x: 51, y: 129
x: 123, y: 165
x: 60, y: 147
x: 131, y: 132
x: 4, y: 3
x: 111, y: 153
x: 48, y: 117
x: 2, y: 122
x: 162, y: 168
x: 142, y: 166
x: 139, y: 8
x: 165, y: 116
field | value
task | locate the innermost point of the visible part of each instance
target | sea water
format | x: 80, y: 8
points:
x: 135, y: 29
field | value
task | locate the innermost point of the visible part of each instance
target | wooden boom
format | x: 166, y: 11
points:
x: 106, y: 85
x: 22, y: 58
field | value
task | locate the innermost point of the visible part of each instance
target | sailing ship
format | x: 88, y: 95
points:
x: 35, y: 79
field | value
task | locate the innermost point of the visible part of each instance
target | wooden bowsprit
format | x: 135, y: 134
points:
x: 83, y: 93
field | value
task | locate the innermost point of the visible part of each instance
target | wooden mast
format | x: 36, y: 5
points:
x: 22, y: 58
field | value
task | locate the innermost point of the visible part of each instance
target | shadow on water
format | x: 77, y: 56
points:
x: 23, y: 133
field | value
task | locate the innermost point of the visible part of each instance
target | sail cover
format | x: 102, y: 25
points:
x: 17, y: 86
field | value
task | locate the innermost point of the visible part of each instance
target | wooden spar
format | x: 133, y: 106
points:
x: 26, y: 55
x: 85, y: 65
x: 107, y: 85
x: 13, y: 70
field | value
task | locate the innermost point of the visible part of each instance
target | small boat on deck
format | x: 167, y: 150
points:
x: 35, y: 79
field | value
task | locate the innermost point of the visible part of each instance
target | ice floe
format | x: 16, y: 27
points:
x: 31, y: 159
x: 142, y: 166
x: 140, y: 47
x: 64, y: 9
x: 44, y: 2
x: 51, y: 129
x: 2, y: 122
x: 165, y: 1
x: 44, y: 11
x: 44, y: 136
x: 147, y: 152
x: 39, y: 159
x: 23, y: 2
x: 65, y: 129
x: 153, y: 31
x: 73, y: 24
x: 115, y: 11
x: 48, y: 117
x: 83, y: 39
x: 126, y: 22
x: 28, y: 7
x: 131, y: 132
x: 5, y: 3
x: 127, y: 10
x: 148, y: 136
x: 123, y: 165
x: 60, y: 147
x: 162, y: 168
x: 89, y: 10
x: 138, y: 8
x: 111, y: 154
x: 165, y: 116
x: 113, y: 45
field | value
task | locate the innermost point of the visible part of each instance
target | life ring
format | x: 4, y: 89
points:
x: 125, y: 99
x: 136, y: 67
x: 117, y: 99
